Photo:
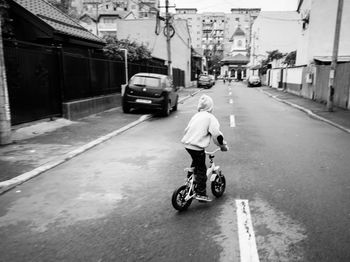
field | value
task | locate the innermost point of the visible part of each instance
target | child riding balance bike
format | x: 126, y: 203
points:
x: 202, y: 127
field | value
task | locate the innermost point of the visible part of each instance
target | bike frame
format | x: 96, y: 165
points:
x: 211, y: 172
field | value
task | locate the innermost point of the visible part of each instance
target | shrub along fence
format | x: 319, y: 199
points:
x: 41, y: 78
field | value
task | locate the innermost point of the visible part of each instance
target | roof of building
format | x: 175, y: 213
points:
x: 189, y: 8
x: 56, y: 19
x: 237, y: 59
x: 238, y: 31
x: 279, y: 16
x: 119, y: 13
x: 329, y: 58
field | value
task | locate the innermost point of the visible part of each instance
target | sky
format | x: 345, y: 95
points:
x: 226, y: 5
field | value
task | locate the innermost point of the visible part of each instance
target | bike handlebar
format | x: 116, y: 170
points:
x: 212, y: 152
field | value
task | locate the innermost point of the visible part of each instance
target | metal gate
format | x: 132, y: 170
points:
x: 33, y: 81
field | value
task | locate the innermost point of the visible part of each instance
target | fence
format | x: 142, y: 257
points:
x: 40, y: 78
x: 33, y: 82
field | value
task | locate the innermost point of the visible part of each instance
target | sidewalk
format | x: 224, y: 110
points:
x: 42, y: 145
x: 339, y: 118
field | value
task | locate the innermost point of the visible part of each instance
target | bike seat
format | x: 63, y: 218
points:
x: 189, y: 169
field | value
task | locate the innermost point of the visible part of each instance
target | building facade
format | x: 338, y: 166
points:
x: 212, y: 32
x: 317, y: 29
x: 99, y: 16
x: 273, y: 30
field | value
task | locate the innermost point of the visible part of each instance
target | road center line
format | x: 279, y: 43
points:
x: 232, y: 121
x: 247, y: 244
x: 229, y: 93
x: 231, y: 101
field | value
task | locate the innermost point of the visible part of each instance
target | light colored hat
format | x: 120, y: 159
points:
x: 205, y: 103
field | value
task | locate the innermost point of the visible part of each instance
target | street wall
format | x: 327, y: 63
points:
x: 312, y: 82
x: 275, y: 77
x: 292, y: 79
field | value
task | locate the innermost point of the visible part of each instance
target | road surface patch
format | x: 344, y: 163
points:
x: 246, y: 236
x: 232, y: 121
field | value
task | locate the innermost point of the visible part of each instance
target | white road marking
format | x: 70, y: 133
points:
x: 231, y: 101
x: 232, y: 121
x: 229, y: 93
x: 247, y: 244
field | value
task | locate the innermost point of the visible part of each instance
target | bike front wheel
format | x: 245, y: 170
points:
x: 218, y: 186
x: 178, y: 198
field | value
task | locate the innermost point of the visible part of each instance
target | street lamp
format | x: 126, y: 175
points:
x: 126, y: 69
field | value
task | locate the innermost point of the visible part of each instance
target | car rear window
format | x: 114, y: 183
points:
x: 145, y: 81
x: 255, y: 78
x: 203, y: 78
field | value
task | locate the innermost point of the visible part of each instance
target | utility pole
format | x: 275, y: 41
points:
x: 5, y: 117
x: 168, y: 37
x: 96, y: 3
x: 331, y: 86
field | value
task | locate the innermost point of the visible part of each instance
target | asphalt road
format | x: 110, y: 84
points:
x: 112, y: 203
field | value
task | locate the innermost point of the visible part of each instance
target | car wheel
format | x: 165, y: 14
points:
x: 126, y: 107
x: 166, y: 109
x: 175, y: 106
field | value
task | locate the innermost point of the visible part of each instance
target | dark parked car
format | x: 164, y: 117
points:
x: 153, y: 91
x: 253, y: 81
x: 205, y: 81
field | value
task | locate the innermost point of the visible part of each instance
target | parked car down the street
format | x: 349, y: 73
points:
x: 212, y: 78
x: 204, y: 81
x: 253, y: 81
x: 150, y: 91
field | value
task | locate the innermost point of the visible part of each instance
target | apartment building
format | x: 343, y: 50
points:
x: 210, y: 30
x: 100, y: 16
x: 213, y: 33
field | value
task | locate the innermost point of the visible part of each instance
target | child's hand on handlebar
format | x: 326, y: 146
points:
x: 224, y: 147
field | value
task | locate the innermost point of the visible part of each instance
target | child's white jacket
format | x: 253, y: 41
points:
x: 202, y: 126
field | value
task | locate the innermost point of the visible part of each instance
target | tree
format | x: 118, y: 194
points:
x: 136, y: 51
x: 214, y: 62
x: 274, y: 55
x: 290, y: 58
x: 271, y: 55
x: 6, y: 21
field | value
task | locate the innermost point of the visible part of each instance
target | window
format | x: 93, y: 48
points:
x: 237, y: 19
x: 109, y: 20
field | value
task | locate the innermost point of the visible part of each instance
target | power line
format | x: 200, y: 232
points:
x: 278, y: 19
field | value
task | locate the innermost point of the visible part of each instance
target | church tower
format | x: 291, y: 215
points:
x: 239, y: 43
x: 235, y: 64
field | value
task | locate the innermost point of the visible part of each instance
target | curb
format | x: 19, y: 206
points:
x: 308, y: 112
x: 9, y: 184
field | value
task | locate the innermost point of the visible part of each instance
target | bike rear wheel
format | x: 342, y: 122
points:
x: 218, y: 186
x: 178, y: 198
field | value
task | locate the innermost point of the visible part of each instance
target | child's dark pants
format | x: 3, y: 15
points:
x: 200, y: 170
